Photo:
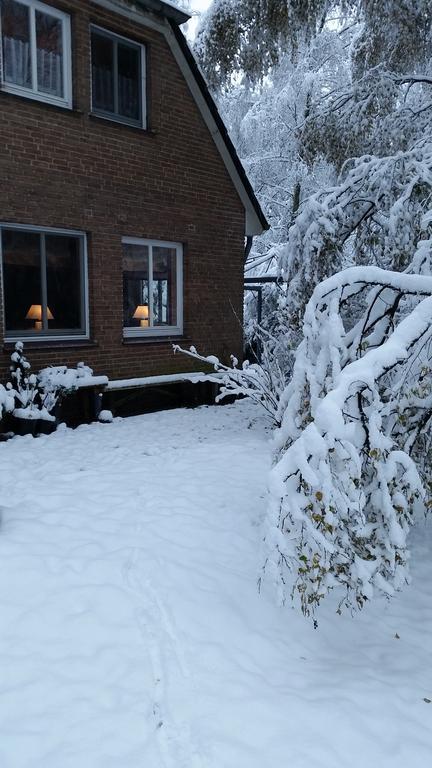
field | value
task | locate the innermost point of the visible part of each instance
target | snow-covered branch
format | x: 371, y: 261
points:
x: 344, y: 482
x: 262, y: 383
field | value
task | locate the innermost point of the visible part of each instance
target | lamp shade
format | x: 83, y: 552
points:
x: 141, y: 312
x: 35, y: 313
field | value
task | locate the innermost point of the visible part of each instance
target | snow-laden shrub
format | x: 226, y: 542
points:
x: 6, y: 401
x: 55, y: 382
x: 353, y: 453
x: 35, y: 395
x: 24, y: 386
x: 264, y: 383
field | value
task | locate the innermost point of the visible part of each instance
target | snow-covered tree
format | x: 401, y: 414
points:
x: 249, y: 36
x: 329, y: 82
x: 330, y: 106
x: 354, y: 450
x: 375, y: 215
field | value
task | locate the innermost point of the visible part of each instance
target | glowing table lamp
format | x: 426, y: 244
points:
x: 35, y: 313
x: 142, y: 314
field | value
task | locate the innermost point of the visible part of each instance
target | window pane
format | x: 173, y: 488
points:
x: 49, y: 51
x: 102, y: 72
x: 22, y: 279
x: 15, y: 19
x: 164, y: 286
x: 63, y: 271
x: 135, y: 286
x: 129, y: 86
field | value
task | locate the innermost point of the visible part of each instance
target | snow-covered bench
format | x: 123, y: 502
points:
x: 123, y: 396
x: 152, y: 381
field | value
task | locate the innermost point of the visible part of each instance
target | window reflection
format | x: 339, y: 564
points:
x: 21, y: 277
x: 49, y: 53
x: 102, y: 73
x: 164, y: 286
x: 15, y: 23
x: 63, y: 276
x: 135, y: 284
x: 129, y: 81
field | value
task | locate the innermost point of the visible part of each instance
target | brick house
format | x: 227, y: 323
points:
x: 123, y: 206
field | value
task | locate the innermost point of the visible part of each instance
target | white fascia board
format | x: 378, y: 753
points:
x: 253, y: 225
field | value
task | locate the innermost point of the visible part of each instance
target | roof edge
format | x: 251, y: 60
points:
x: 166, y: 9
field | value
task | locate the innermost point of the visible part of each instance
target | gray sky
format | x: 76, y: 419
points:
x: 200, y: 5
x: 197, y: 5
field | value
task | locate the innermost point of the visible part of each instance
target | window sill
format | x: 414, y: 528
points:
x: 120, y: 124
x: 64, y: 108
x: 153, y: 332
x: 26, y: 93
x: 132, y: 340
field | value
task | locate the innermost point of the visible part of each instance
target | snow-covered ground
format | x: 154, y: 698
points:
x: 131, y: 631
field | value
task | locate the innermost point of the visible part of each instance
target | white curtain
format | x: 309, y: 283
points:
x: 17, y: 67
x: 16, y: 61
x: 49, y: 66
x: 103, y: 92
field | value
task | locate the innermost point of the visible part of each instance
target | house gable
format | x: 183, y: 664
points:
x: 166, y: 19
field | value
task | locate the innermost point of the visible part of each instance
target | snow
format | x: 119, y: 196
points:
x: 6, y: 400
x: 145, y: 381
x: 132, y: 633
x: 70, y: 378
x: 353, y: 276
x: 105, y: 416
x: 33, y: 414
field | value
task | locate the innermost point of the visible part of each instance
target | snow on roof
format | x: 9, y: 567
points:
x: 166, y: 8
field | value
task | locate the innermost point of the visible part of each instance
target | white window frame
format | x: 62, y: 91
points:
x: 33, y: 93
x: 44, y: 336
x: 112, y: 116
x: 166, y: 330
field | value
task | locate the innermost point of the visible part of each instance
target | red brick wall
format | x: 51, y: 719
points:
x: 69, y: 170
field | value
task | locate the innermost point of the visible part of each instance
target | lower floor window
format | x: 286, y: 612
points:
x: 44, y: 282
x: 152, y: 287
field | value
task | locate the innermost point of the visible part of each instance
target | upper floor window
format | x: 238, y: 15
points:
x: 118, y: 78
x: 44, y: 283
x: 36, y: 51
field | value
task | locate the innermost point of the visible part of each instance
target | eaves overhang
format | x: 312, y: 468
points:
x: 162, y: 8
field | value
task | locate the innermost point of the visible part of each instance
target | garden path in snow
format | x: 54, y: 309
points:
x: 132, y: 634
